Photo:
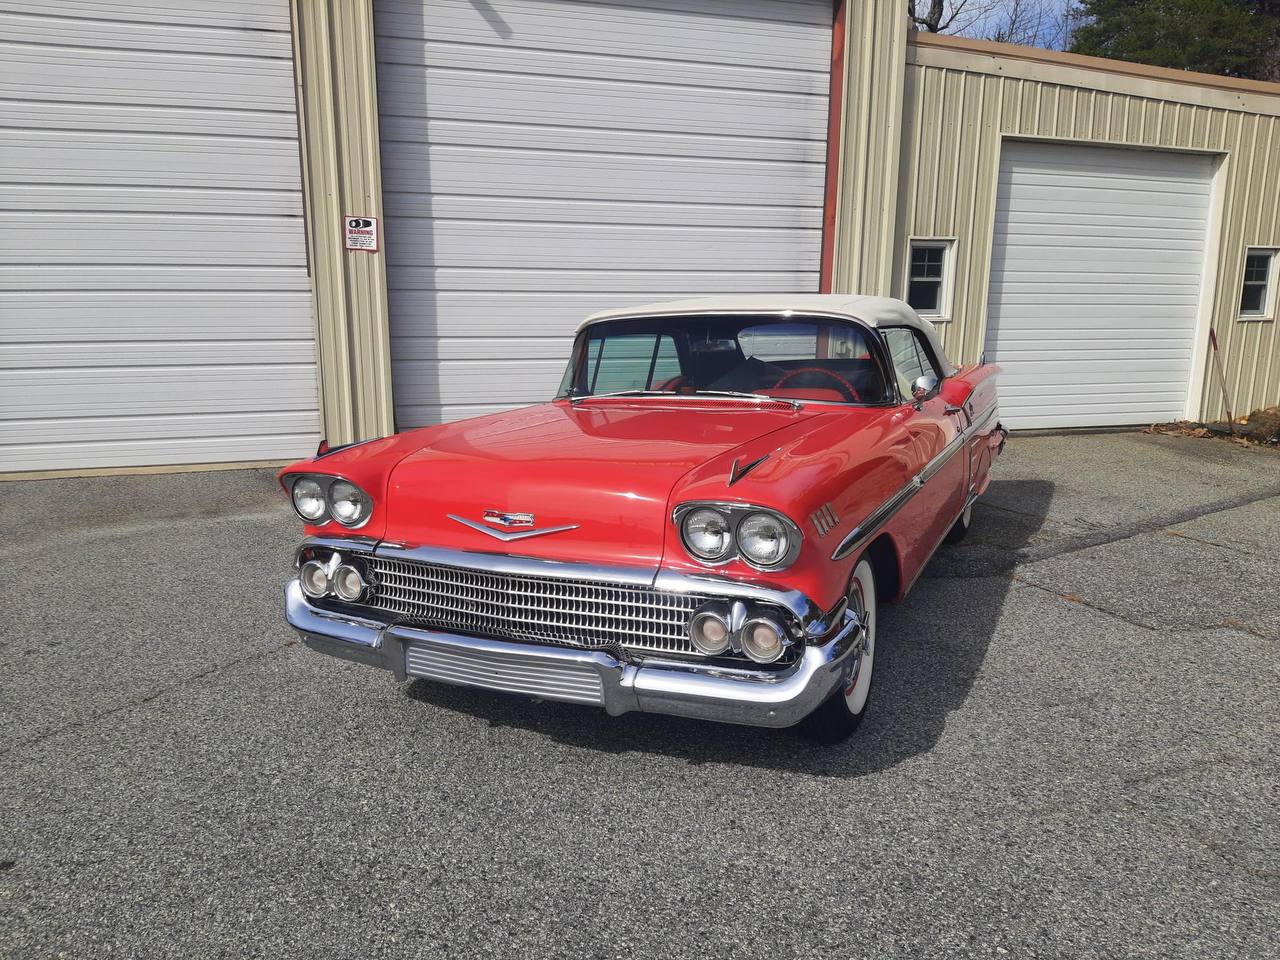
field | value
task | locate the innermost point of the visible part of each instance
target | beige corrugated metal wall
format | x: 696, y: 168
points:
x: 958, y: 104
x: 342, y: 176
x: 871, y: 137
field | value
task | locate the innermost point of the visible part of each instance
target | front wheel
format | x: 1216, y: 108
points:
x: 842, y: 714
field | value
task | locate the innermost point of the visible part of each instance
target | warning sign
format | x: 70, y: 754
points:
x: 361, y: 233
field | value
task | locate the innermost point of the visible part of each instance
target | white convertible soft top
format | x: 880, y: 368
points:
x: 873, y: 311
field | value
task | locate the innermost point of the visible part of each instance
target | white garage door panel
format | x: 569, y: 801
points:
x: 514, y: 98
x: 137, y: 78
x: 54, y: 238
x: 42, y: 156
x: 562, y: 65
x: 454, y: 243
x: 596, y: 211
x: 71, y: 31
x: 679, y: 32
x: 143, y: 317
x: 543, y: 159
x: 505, y: 172
x: 28, y: 115
x: 419, y: 129
x: 153, y: 273
x: 1095, y: 280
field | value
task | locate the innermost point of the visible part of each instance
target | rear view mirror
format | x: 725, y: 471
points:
x: 924, y: 388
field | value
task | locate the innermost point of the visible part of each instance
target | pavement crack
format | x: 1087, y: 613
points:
x: 1077, y: 599
x: 156, y: 694
x: 1050, y: 551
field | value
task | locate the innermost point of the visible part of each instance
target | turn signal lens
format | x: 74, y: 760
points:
x: 347, y: 583
x: 762, y: 640
x: 763, y: 539
x: 348, y: 503
x: 709, y: 633
x: 308, y: 498
x: 314, y: 578
x: 707, y: 533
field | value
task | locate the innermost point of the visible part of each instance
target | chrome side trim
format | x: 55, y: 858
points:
x: 885, y: 512
x: 506, y: 535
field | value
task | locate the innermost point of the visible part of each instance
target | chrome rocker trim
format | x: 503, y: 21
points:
x: 689, y: 689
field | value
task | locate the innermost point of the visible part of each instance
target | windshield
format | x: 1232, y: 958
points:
x: 790, y: 359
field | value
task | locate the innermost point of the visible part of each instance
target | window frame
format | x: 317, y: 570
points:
x: 923, y: 348
x: 1269, y: 293
x: 945, y: 289
x: 579, y: 356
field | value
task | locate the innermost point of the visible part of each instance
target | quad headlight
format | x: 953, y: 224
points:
x: 707, y: 533
x: 308, y: 498
x: 717, y: 532
x: 763, y: 539
x: 318, y: 498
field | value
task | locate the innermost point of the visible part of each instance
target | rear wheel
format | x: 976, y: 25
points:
x: 842, y: 714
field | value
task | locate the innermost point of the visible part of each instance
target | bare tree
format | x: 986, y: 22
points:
x: 1032, y: 23
x: 1035, y: 23
x: 935, y: 16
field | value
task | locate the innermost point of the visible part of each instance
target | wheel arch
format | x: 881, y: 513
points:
x: 886, y: 564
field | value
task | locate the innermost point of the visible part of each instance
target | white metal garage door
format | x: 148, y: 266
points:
x: 543, y: 159
x: 153, y: 281
x: 1095, y: 283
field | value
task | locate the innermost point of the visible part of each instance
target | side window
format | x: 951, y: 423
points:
x: 910, y: 357
x: 666, y: 363
x: 631, y: 362
x: 1257, y: 295
x: 928, y: 280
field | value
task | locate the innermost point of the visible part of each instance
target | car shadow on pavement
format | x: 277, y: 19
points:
x: 930, y: 650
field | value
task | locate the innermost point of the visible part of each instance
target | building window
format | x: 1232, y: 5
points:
x: 1258, y: 292
x: 928, y: 279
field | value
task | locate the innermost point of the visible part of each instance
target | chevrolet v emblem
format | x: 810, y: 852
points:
x: 509, y: 520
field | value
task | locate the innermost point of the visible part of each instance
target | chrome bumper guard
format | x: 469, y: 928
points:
x: 689, y: 689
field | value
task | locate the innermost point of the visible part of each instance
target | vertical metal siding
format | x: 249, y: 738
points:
x: 868, y: 196
x: 957, y: 106
x: 543, y: 159
x: 338, y: 109
x: 153, y: 283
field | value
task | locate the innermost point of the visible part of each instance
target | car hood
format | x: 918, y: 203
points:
x: 605, y: 468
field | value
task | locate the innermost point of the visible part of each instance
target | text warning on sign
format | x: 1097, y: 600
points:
x: 361, y: 233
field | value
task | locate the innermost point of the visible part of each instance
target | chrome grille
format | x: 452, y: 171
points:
x: 576, y: 613
x: 574, y: 682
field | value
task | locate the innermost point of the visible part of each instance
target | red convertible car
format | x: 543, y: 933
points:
x: 702, y: 522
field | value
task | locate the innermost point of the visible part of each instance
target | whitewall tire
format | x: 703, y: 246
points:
x: 842, y: 714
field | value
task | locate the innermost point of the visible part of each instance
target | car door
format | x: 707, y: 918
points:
x: 935, y: 433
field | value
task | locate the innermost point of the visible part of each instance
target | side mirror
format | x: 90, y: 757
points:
x: 924, y: 388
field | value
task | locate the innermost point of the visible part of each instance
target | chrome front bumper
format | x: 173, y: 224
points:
x: 755, y: 697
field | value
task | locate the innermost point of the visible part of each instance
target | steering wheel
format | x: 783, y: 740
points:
x: 849, y: 389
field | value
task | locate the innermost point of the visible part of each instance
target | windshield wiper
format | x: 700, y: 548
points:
x: 623, y: 393
x: 795, y: 404
x: 737, y: 394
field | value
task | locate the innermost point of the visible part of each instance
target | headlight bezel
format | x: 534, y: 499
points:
x: 326, y: 483
x: 735, y: 514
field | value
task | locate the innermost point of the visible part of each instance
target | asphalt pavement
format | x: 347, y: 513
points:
x: 1073, y: 750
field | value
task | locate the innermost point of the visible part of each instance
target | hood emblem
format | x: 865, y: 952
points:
x: 740, y: 469
x: 512, y: 520
x: 508, y: 519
